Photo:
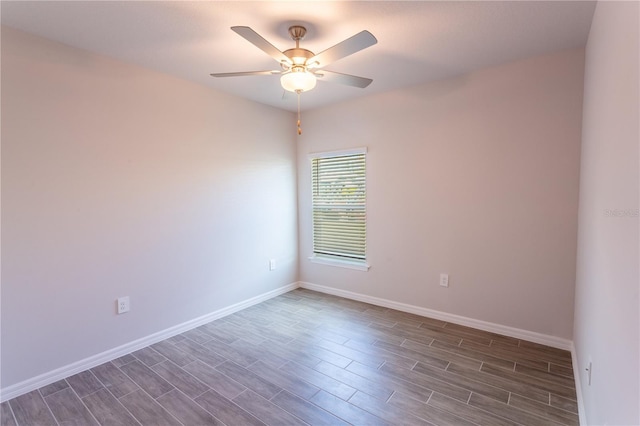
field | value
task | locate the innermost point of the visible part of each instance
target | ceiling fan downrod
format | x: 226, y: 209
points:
x: 297, y: 33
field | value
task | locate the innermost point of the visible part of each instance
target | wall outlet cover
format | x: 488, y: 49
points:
x: 444, y: 280
x: 123, y: 305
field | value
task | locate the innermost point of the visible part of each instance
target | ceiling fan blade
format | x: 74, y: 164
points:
x: 262, y: 44
x: 349, y: 80
x: 241, y: 74
x: 347, y: 47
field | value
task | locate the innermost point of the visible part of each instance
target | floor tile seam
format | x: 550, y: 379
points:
x: 98, y: 378
x: 224, y: 397
x: 188, y: 374
x: 126, y: 394
x: 429, y: 333
x: 399, y: 381
x: 412, y: 354
x: 541, y: 358
x: 89, y: 394
x: 249, y: 365
x: 467, y: 379
x: 399, y: 387
x: 284, y: 409
x: 516, y: 360
x: 574, y: 401
x: 490, y: 413
x: 556, y: 364
x: 529, y: 386
x: 469, y: 336
x: 95, y: 377
x: 429, y: 399
x: 155, y: 401
x: 82, y: 401
x: 510, y: 382
x: 494, y: 339
x: 159, y: 354
x: 547, y: 382
x: 447, y: 354
x: 519, y: 380
x: 375, y: 382
x: 458, y: 334
x: 546, y: 405
x: 206, y: 349
x: 546, y: 349
x: 321, y: 388
x: 362, y: 377
x: 235, y: 381
x: 483, y: 357
x: 287, y: 377
x: 231, y: 399
x: 120, y: 402
x: 364, y: 354
x: 575, y: 413
x: 48, y: 407
x: 457, y: 415
x: 563, y: 375
x: 145, y: 391
x: 366, y: 411
x: 13, y: 415
x: 59, y: 390
x: 127, y: 363
x: 543, y: 416
x: 559, y: 376
x: 327, y: 361
x: 338, y: 416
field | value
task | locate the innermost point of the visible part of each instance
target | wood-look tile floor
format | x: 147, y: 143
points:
x: 310, y: 358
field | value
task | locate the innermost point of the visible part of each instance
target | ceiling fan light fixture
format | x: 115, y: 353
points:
x: 298, y: 80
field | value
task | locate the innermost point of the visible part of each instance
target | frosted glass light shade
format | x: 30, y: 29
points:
x: 298, y: 80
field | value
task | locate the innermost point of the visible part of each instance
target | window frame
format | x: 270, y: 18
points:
x: 336, y: 260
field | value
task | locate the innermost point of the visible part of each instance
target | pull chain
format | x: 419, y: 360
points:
x: 299, y: 128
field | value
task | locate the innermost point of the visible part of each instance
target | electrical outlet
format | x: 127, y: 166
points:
x: 444, y: 280
x: 272, y: 264
x: 123, y: 304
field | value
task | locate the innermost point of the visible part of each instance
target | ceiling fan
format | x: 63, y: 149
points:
x: 301, y: 67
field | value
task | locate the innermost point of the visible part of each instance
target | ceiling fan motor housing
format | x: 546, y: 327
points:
x: 298, y: 55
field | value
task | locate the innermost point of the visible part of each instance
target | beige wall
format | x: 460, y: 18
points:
x: 121, y: 181
x: 607, y: 320
x: 475, y: 176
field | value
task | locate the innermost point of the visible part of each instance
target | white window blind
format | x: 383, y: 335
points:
x: 339, y: 214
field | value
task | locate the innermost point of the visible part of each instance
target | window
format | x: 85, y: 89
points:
x: 338, y: 204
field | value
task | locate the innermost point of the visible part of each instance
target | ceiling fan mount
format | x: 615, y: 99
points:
x: 297, y: 32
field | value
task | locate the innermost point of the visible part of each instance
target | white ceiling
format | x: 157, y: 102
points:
x: 418, y: 41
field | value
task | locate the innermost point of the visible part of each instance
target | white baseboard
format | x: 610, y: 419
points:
x: 504, y: 330
x: 68, y: 370
x: 577, y: 374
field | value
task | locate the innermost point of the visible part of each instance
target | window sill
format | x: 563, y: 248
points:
x: 349, y: 264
